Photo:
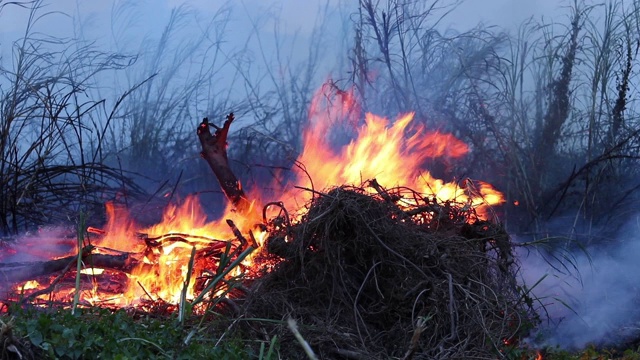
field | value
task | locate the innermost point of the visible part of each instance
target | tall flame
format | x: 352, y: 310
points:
x: 392, y: 153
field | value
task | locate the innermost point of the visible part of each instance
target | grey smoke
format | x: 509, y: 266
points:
x: 597, y: 302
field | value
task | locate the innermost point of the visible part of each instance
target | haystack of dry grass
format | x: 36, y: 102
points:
x: 366, y: 278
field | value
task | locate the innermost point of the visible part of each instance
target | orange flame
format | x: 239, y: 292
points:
x: 165, y: 279
x: 392, y: 153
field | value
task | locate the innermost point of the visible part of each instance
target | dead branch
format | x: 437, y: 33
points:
x: 214, y: 151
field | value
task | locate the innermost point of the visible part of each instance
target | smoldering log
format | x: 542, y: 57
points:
x: 28, y: 271
x: 214, y: 151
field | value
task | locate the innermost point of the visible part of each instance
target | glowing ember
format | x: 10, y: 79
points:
x: 29, y: 285
x: 92, y: 271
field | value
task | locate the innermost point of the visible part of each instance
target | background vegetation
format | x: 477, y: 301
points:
x: 549, y: 111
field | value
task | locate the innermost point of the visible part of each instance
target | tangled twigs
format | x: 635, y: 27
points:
x: 383, y: 192
x: 282, y: 219
x: 392, y: 200
x: 356, y: 274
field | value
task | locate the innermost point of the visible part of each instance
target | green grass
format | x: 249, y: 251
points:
x: 96, y: 333
x: 102, y: 334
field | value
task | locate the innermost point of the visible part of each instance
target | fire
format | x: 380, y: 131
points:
x: 166, y: 276
x: 29, y: 285
x: 92, y: 271
x: 391, y: 152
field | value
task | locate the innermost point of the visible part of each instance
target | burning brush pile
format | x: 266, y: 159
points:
x: 366, y: 278
x: 367, y: 272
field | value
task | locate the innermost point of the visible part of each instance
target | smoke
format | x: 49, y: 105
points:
x: 48, y: 242
x: 44, y: 244
x: 590, y: 296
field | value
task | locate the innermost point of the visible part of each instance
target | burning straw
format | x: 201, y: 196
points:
x: 366, y: 277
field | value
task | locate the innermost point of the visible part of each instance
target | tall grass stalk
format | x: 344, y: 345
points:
x: 45, y: 129
x: 225, y: 267
x: 184, y: 307
x: 270, y: 351
x: 305, y: 345
x: 80, y: 242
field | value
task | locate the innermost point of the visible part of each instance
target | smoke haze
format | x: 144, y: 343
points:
x: 591, y: 297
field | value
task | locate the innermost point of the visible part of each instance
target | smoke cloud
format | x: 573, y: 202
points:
x: 592, y: 298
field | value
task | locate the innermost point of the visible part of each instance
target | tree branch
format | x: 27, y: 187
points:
x: 214, y: 151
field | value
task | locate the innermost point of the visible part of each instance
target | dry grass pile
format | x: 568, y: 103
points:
x: 365, y: 278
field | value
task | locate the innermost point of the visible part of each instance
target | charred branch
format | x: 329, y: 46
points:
x: 115, y: 260
x: 214, y: 151
x: 155, y: 241
x: 23, y: 272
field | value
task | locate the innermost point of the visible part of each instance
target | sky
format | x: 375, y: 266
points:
x: 295, y: 20
x: 296, y: 15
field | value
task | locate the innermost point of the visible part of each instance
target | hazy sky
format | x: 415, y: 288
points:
x: 147, y: 18
x: 140, y: 22
x: 503, y: 13
x: 295, y: 14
